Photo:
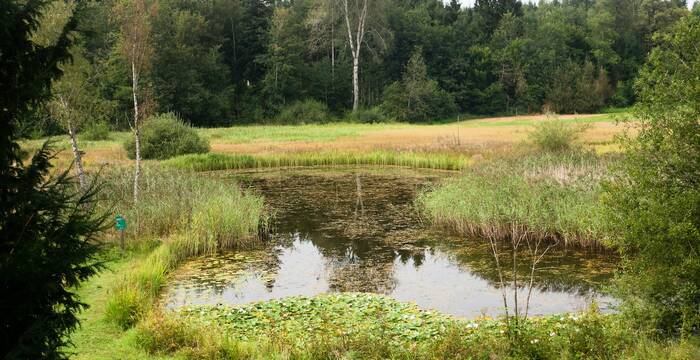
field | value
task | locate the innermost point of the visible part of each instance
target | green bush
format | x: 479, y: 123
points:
x: 96, y: 131
x: 304, y: 112
x: 554, y: 135
x: 654, y: 197
x: 367, y: 116
x: 165, y: 136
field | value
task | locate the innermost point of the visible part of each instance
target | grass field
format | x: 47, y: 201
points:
x: 481, y: 136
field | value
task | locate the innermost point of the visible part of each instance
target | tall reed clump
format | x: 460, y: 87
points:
x: 211, y: 162
x: 193, y: 214
x: 554, y: 135
x: 551, y: 196
x: 176, y: 202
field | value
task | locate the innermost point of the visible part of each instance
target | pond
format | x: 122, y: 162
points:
x: 358, y: 230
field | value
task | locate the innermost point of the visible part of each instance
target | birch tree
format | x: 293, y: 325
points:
x: 74, y: 103
x: 364, y: 21
x: 134, y: 18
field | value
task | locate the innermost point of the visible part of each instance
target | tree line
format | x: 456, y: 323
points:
x: 226, y: 62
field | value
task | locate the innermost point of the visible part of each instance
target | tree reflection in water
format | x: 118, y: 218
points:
x: 358, y: 230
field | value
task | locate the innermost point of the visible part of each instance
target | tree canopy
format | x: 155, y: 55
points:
x: 239, y: 61
x: 656, y: 199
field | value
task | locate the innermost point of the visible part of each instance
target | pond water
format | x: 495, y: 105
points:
x: 358, y: 230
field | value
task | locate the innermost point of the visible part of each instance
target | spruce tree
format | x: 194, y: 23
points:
x: 47, y: 225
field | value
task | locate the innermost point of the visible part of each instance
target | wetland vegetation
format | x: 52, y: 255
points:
x: 333, y: 215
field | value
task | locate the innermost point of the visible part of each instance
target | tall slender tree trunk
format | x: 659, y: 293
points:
x: 74, y: 143
x: 355, y: 82
x: 330, y: 3
x: 355, y: 46
x: 77, y: 154
x: 137, y: 132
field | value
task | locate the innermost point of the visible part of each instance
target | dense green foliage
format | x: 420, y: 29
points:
x: 416, y: 97
x: 367, y: 116
x: 304, y: 112
x: 242, y: 61
x: 165, y: 136
x: 48, y: 230
x: 96, y: 131
x: 548, y: 196
x: 655, y: 199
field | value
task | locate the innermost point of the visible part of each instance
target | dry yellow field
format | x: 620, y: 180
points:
x: 477, y: 136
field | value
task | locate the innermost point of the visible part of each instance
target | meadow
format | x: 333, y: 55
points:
x: 479, y: 136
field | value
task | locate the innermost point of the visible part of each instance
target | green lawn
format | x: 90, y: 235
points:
x: 96, y: 338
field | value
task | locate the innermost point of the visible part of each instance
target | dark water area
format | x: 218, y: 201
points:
x: 358, y: 230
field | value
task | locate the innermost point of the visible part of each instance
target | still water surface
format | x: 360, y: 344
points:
x: 358, y: 230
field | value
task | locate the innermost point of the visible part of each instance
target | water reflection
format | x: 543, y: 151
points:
x: 358, y: 231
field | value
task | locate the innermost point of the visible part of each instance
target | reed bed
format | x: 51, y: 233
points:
x: 551, y: 197
x: 211, y: 162
x: 193, y: 214
x: 173, y: 202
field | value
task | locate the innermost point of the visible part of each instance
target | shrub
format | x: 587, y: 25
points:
x: 554, y: 135
x: 304, y: 112
x: 654, y: 199
x: 367, y: 116
x: 165, y: 136
x: 96, y: 131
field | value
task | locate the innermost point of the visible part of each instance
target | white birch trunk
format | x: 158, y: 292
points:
x: 355, y: 82
x: 77, y: 154
x: 73, y: 142
x: 355, y: 46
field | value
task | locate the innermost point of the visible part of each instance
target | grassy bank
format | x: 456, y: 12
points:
x: 189, y: 215
x: 97, y: 338
x: 210, y: 162
x: 553, y: 196
x: 365, y: 326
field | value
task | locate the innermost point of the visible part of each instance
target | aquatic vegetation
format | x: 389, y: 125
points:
x: 210, y: 162
x: 368, y: 326
x: 551, y: 196
x: 335, y: 315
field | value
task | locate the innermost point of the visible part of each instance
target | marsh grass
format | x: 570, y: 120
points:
x: 551, y: 196
x: 211, y: 162
x: 193, y: 214
x: 176, y: 202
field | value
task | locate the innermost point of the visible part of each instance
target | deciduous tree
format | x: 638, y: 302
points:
x: 134, y: 19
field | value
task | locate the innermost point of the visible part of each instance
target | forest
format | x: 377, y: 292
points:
x: 228, y: 62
